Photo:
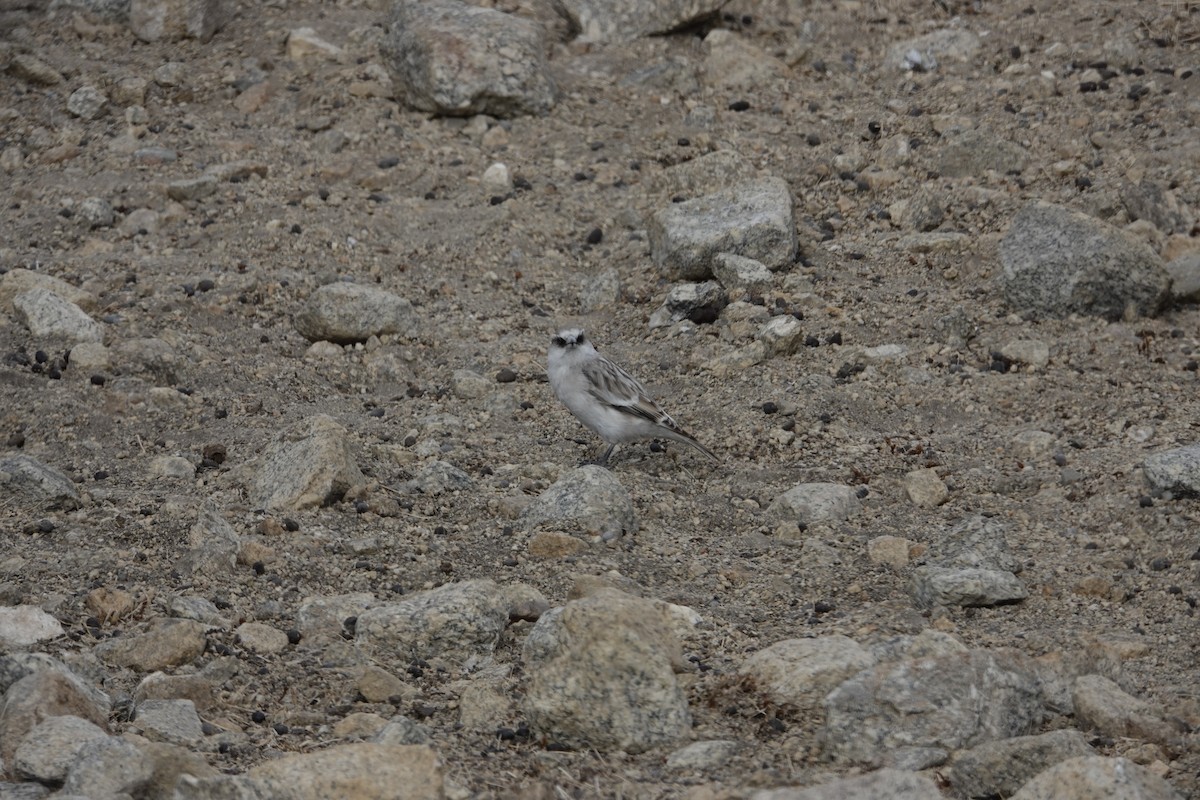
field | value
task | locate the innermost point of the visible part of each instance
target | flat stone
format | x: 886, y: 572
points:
x: 48, y: 316
x: 23, y: 626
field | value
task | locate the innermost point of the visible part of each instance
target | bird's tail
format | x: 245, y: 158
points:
x: 682, y: 436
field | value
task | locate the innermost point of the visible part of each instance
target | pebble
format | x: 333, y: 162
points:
x: 173, y: 20
x: 781, y: 336
x: 51, y: 317
x: 1089, y: 777
x: 806, y: 503
x: 1001, y: 768
x: 161, y: 644
x: 1176, y: 471
x: 345, y: 313
x: 171, y: 721
x: 305, y: 43
x: 48, y: 750
x: 23, y: 626
x: 798, y: 673
x: 24, y: 480
x: 590, y: 499
x: 261, y: 638
x: 307, y: 465
x: 925, y: 488
x: 87, y: 103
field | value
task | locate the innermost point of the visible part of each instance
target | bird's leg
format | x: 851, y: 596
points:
x: 602, y: 461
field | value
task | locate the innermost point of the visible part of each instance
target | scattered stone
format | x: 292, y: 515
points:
x: 469, y: 385
x: 31, y: 69
x: 1057, y: 262
x: 1176, y: 471
x: 446, y: 57
x: 706, y: 174
x: 739, y: 274
x: 1089, y: 777
x: 699, y: 302
x: 703, y: 756
x: 26, y: 481
x: 198, y: 688
x: 172, y: 20
x: 588, y: 498
x: 892, y: 551
x: 807, y: 503
x: 454, y: 622
x: 496, y: 180
x: 164, y: 643
x: 552, y: 544
x: 321, y: 619
x: 599, y: 291
x: 170, y: 721
x: 22, y: 626
x: 237, y: 171
x: 1032, y: 352
x: 942, y: 703
x: 17, y: 281
x: 440, y: 477
x: 199, y: 609
x: 601, y: 675
x: 47, y: 751
x: 308, y: 465
x: 95, y: 212
x: 924, y: 211
x: 48, y: 316
x: 345, y: 313
x: 754, y: 220
x: 925, y: 489
x: 1101, y: 705
x: 87, y: 103
x: 172, y: 467
x: 1151, y: 201
x: 1001, y: 768
x: 799, y: 672
x: 402, y: 730
x: 625, y: 21
x: 883, y: 784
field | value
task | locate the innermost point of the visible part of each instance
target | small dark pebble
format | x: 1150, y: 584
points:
x: 98, y: 380
x: 812, y: 140
x: 293, y: 636
x: 375, y: 412
x: 834, y: 338
x: 409, y: 441
x: 595, y: 235
x: 290, y: 525
x: 683, y: 141
x: 1060, y: 460
x: 1159, y: 564
x: 862, y: 492
x: 510, y: 561
x: 361, y: 506
x: 423, y: 711
x: 45, y: 526
x: 812, y: 341
x: 100, y: 475
x: 770, y: 408
x: 1192, y: 365
x: 496, y: 199
x: 16, y: 439
x: 1089, y: 86
x: 259, y: 567
x: 580, y: 177
x: 1145, y: 501
x: 206, y: 285
x: 505, y: 375
x: 280, y: 728
x: 739, y: 105
x: 258, y: 717
x: 1083, y: 182
x: 350, y: 623
x: 657, y: 447
x: 387, y: 162
x: 208, y: 729
x: 294, y: 229
x: 41, y: 357
x: 53, y: 373
x: 822, y: 607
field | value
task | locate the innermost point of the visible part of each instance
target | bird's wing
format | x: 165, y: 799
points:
x: 615, y: 387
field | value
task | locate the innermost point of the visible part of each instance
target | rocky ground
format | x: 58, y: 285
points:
x: 284, y: 490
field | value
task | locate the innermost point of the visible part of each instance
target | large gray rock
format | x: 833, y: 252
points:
x: 447, y: 57
x: 48, y: 316
x: 163, y: 643
x: 109, y: 769
x: 25, y: 625
x: 172, y: 20
x: 1185, y: 277
x: 1101, y: 705
x: 923, y: 53
x: 1176, y: 470
x: 590, y: 498
x: 308, y: 465
x: 999, y: 769
x: 806, y: 503
x: 1058, y: 262
x: 601, y: 675
x: 932, y: 587
x: 49, y: 692
x: 26, y: 481
x: 16, y: 281
x: 938, y: 703
x: 973, y: 153
x: 47, y: 751
x: 624, y: 20
x: 453, y: 622
x: 1091, y: 777
x: 345, y: 313
x: 753, y: 219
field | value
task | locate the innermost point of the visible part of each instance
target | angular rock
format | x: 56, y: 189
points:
x: 807, y: 503
x: 999, y: 769
x: 152, y: 357
x: 925, y: 489
x: 782, y: 335
x: 590, y: 498
x: 48, y: 316
x: 699, y: 302
x: 703, y: 756
x: 601, y: 675
x: 322, y: 618
x: 305, y: 43
x: 1031, y: 352
x: 164, y: 643
x: 447, y: 57
x: 87, y: 103
x: 345, y: 313
x: 26, y: 481
x: 934, y: 587
x: 187, y: 189
x: 402, y: 730
x: 942, y: 702
x: 883, y: 784
x: 439, y: 477
x: 924, y: 53
x: 706, y: 174
x: 262, y: 638
x: 1176, y: 470
x: 754, y: 220
x: 47, y: 751
x: 1058, y: 262
x: 22, y: 626
x: 172, y: 20
x: 29, y: 68
x: 95, y: 212
x: 800, y: 672
x: 1185, y: 277
x: 43, y: 694
x: 308, y: 465
x: 453, y: 622
x: 1154, y: 202
x: 735, y: 63
x: 625, y: 20
x: 16, y: 281
x: 1091, y: 777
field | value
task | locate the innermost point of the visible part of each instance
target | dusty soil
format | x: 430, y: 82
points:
x: 493, y: 281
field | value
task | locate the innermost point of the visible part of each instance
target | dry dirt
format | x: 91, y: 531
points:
x: 492, y: 282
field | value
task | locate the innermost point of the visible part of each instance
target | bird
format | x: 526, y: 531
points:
x: 605, y: 398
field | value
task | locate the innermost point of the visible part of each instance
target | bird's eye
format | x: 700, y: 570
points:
x: 579, y: 338
x: 559, y: 341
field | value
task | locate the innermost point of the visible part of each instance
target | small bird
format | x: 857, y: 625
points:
x: 607, y: 399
